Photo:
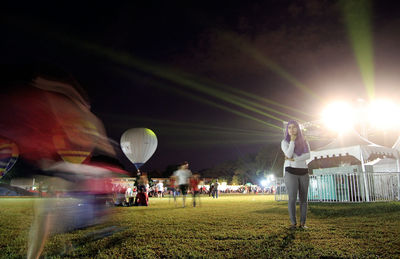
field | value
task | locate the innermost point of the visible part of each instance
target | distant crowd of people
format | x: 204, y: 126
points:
x: 181, y: 183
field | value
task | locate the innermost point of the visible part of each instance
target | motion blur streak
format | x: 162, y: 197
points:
x: 57, y: 135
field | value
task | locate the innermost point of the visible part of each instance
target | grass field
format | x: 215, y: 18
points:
x: 236, y: 226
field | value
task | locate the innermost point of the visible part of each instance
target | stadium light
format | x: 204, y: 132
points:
x: 338, y: 116
x: 270, y: 178
x: 383, y: 114
x: 379, y: 114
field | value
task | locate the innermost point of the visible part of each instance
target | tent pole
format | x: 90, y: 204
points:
x: 398, y: 178
x: 364, y: 176
x: 398, y: 164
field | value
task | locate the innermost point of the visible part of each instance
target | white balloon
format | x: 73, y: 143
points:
x: 139, y: 144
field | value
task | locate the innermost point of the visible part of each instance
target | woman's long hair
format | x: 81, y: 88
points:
x: 300, y: 144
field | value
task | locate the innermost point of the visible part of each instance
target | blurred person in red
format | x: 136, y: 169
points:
x: 172, y: 187
x: 142, y: 198
x: 45, y: 112
x: 194, y: 182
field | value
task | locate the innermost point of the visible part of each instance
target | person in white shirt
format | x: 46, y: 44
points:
x: 160, y: 189
x: 183, y: 174
x: 297, y: 151
x: 129, y: 196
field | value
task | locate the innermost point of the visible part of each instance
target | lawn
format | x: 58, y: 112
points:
x: 236, y: 226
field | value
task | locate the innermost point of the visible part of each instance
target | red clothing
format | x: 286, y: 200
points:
x: 172, y: 182
x: 52, y: 125
x: 142, y: 199
x: 194, y: 184
x: 98, y: 185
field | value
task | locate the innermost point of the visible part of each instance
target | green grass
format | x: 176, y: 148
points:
x: 236, y: 226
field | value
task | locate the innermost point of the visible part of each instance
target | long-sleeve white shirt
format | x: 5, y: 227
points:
x: 299, y: 161
x: 183, y: 176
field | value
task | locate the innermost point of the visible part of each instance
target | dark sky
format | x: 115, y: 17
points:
x: 211, y: 79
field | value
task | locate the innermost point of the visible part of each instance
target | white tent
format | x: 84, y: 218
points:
x: 352, y: 144
x: 396, y: 145
x: 383, y: 165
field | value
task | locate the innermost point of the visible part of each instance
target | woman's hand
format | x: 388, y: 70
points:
x: 293, y: 137
x: 288, y: 158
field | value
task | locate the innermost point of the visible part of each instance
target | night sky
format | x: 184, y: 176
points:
x: 213, y: 80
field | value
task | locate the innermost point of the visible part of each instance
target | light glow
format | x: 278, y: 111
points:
x: 379, y: 114
x: 338, y: 116
x: 383, y: 114
x: 269, y: 179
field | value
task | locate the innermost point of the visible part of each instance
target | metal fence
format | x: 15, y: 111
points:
x: 348, y: 187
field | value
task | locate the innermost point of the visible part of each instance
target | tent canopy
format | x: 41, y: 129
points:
x: 354, y: 145
x: 396, y: 145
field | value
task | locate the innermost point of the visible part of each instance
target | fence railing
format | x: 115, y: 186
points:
x: 348, y: 187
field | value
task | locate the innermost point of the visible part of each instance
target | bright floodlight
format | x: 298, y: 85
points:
x: 338, y: 116
x: 264, y: 183
x: 383, y: 114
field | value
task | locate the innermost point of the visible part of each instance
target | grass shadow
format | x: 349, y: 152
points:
x: 275, y: 243
x: 287, y: 239
x: 75, y: 247
x: 327, y: 210
x: 282, y: 209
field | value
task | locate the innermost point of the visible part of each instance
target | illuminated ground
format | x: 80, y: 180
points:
x: 239, y: 226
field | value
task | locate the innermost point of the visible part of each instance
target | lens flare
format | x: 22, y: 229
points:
x: 383, y: 114
x: 339, y: 117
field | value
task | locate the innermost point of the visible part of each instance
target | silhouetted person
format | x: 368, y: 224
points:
x: 215, y: 189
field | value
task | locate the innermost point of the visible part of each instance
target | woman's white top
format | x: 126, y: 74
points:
x: 299, y: 161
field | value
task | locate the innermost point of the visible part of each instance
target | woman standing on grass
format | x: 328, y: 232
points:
x: 297, y: 151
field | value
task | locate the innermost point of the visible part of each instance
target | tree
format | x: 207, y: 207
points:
x: 250, y: 167
x: 169, y: 170
x: 235, y: 180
